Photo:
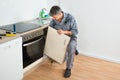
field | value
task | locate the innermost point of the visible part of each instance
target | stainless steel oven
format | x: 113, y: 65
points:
x: 33, y: 50
x: 33, y: 46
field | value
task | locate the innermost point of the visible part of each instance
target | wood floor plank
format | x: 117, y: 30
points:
x: 85, y: 68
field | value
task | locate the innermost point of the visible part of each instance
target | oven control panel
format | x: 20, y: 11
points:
x: 32, y: 35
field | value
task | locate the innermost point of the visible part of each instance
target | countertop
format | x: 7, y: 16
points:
x: 5, y: 38
x: 36, y: 21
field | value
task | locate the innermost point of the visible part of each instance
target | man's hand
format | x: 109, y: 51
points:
x: 60, y: 31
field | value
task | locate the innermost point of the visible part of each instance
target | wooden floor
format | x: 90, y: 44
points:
x: 85, y: 68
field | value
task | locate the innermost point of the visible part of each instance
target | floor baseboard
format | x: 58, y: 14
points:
x: 106, y: 58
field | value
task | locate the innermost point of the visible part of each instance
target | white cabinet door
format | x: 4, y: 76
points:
x: 55, y: 46
x: 11, y: 60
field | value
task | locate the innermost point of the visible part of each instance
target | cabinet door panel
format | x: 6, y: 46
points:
x: 11, y: 60
x: 56, y: 44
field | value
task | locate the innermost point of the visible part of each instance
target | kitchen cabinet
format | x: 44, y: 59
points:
x: 55, y: 46
x: 11, y: 60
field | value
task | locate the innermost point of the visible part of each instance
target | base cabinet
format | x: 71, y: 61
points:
x: 11, y: 67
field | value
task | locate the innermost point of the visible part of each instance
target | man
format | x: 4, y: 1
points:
x: 65, y: 23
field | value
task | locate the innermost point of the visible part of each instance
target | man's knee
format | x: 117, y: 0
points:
x: 71, y: 47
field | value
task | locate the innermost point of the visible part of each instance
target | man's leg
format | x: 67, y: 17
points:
x: 70, y: 57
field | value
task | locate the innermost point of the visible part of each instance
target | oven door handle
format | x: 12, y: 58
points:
x: 29, y: 43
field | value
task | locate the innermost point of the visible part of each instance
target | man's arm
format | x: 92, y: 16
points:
x: 73, y: 28
x: 60, y: 31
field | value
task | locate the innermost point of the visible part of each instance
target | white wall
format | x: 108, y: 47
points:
x: 99, y: 26
x: 50, y: 3
x: 12, y: 11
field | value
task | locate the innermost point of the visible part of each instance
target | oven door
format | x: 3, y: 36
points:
x: 33, y: 50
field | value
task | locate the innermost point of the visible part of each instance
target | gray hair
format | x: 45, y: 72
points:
x: 55, y: 10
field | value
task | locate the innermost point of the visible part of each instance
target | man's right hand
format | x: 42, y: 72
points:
x: 60, y: 31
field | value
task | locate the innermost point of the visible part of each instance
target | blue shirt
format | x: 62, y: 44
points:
x: 68, y: 23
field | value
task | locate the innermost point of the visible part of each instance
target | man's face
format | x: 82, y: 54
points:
x: 57, y: 17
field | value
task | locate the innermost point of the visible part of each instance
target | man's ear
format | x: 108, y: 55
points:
x: 60, y: 13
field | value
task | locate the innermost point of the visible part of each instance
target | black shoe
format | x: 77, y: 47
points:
x: 67, y: 73
x: 76, y: 52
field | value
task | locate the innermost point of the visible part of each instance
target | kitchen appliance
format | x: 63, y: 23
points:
x: 33, y: 40
x: 20, y: 27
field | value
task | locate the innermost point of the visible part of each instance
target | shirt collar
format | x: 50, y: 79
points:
x: 64, y: 17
